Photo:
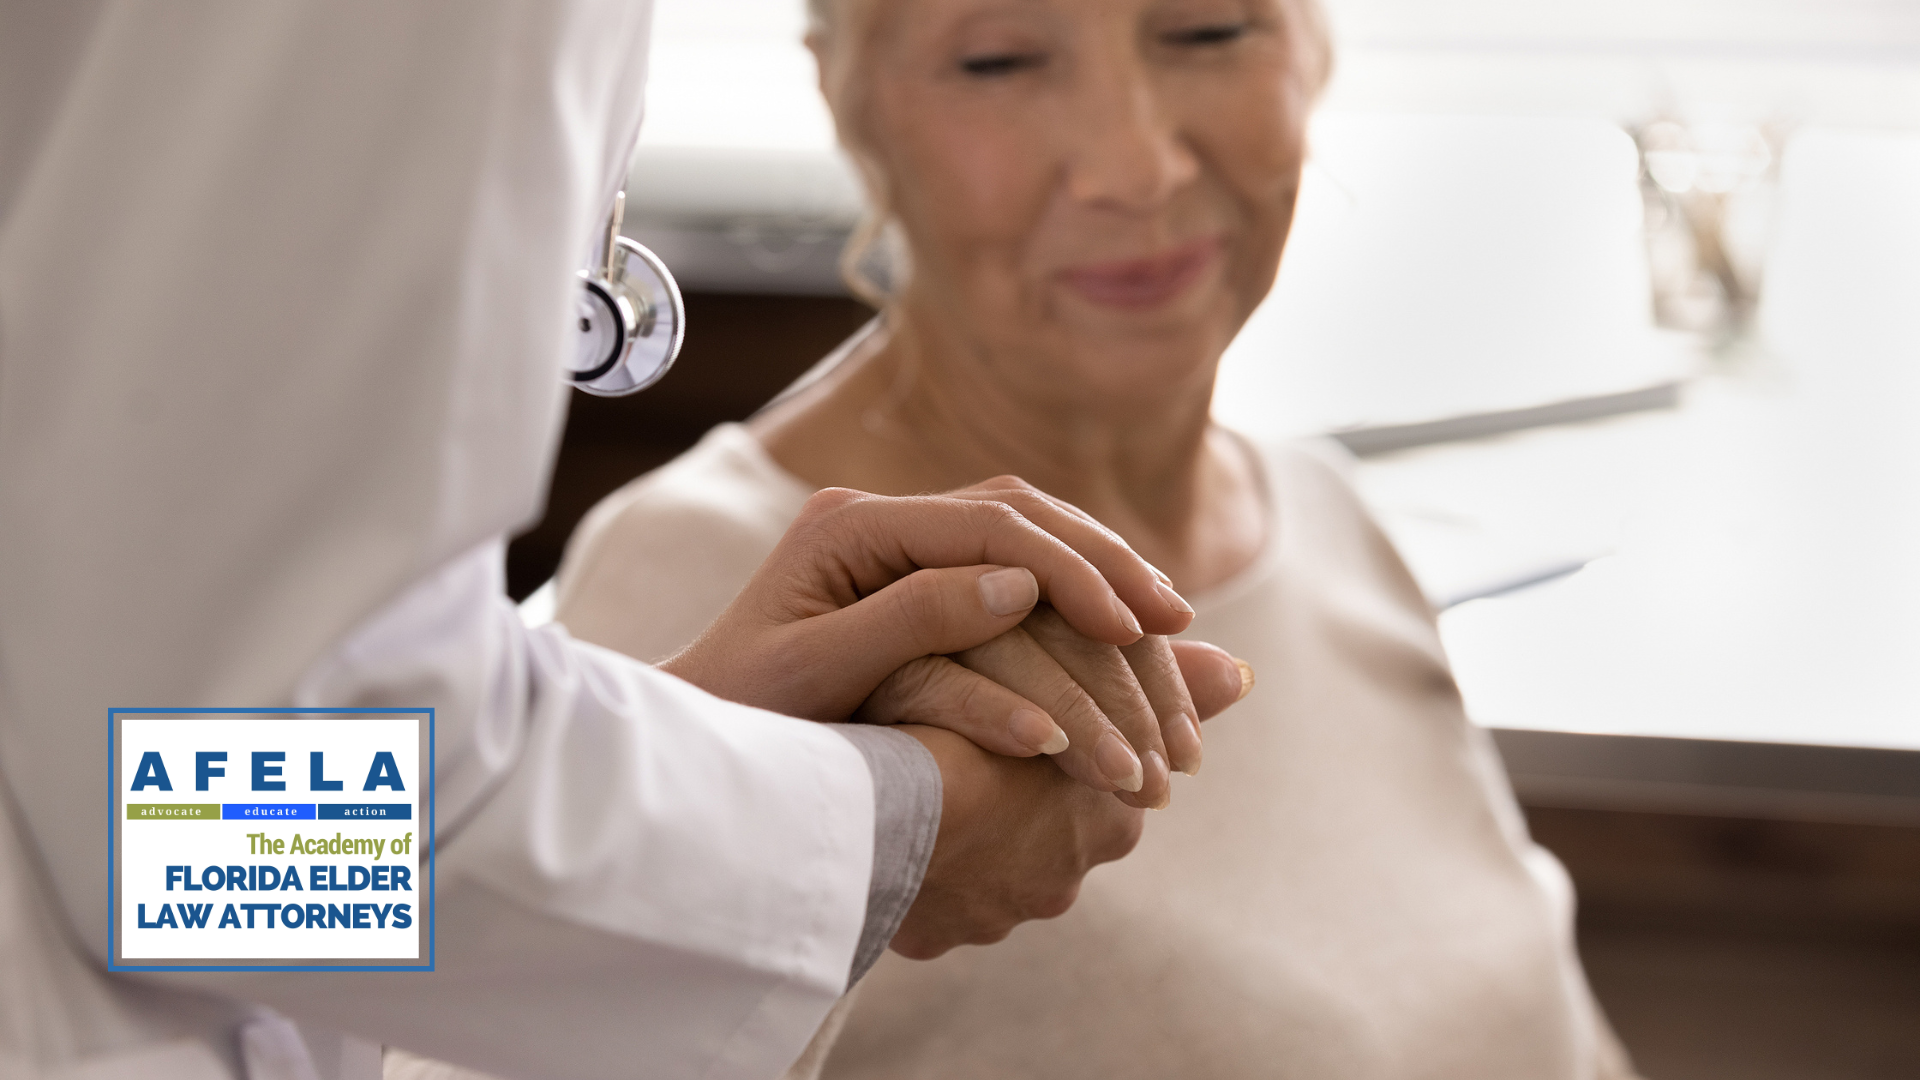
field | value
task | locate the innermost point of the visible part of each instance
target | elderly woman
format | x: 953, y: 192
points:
x: 1080, y: 202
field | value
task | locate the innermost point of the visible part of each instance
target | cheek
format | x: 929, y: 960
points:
x: 1254, y: 141
x: 970, y: 184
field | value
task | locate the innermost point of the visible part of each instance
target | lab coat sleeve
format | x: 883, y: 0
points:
x: 720, y: 851
x: 283, y: 292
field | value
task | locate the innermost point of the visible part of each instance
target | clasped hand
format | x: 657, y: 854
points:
x: 995, y: 624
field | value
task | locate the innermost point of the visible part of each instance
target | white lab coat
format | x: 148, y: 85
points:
x: 283, y: 291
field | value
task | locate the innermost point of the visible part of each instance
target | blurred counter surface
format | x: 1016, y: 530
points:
x: 1743, y: 634
x: 1757, y: 605
x: 1671, y: 582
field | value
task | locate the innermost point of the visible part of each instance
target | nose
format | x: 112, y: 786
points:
x: 1129, y: 153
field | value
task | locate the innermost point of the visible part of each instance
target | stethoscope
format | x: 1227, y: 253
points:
x: 631, y: 318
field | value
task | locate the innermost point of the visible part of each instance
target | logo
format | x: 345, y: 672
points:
x: 275, y: 839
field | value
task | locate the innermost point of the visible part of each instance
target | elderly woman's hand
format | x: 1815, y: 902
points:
x: 1129, y: 713
x: 1116, y: 717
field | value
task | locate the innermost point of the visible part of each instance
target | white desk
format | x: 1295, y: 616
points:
x: 1759, y: 578
x: 1755, y: 586
x: 1763, y: 581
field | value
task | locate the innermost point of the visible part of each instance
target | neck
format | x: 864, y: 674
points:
x: 915, y: 412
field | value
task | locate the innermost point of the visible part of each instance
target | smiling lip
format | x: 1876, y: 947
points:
x: 1143, y: 283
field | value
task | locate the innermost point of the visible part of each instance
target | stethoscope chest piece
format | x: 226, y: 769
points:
x: 631, y: 320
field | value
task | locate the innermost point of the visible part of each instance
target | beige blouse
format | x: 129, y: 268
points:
x: 1346, y: 890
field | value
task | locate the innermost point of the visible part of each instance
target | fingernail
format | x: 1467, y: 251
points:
x: 1117, y: 762
x: 1156, y: 767
x: 1173, y: 599
x: 1037, y: 730
x: 1009, y: 591
x: 1157, y: 572
x: 1121, y: 609
x: 1246, y: 677
x: 1183, y: 742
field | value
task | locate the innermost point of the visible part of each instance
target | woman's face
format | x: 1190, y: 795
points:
x: 1095, y: 192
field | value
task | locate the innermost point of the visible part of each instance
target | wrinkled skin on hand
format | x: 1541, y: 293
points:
x: 1016, y: 621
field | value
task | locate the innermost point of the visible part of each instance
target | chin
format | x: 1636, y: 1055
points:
x: 1146, y: 363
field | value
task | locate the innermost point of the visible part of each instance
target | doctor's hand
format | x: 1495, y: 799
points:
x: 1017, y: 836
x: 863, y: 584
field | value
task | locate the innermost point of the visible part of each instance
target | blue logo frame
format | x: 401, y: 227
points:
x: 115, y: 819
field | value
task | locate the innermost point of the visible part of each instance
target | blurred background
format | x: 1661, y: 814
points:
x: 1618, y: 306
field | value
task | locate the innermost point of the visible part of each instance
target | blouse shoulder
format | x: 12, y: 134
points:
x: 656, y: 561
x: 1320, y: 520
x: 1320, y: 469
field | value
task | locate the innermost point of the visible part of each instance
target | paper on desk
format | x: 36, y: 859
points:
x: 1456, y: 559
x: 1473, y: 519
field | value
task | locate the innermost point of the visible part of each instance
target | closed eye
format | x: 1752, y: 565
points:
x: 1202, y: 36
x: 996, y: 64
